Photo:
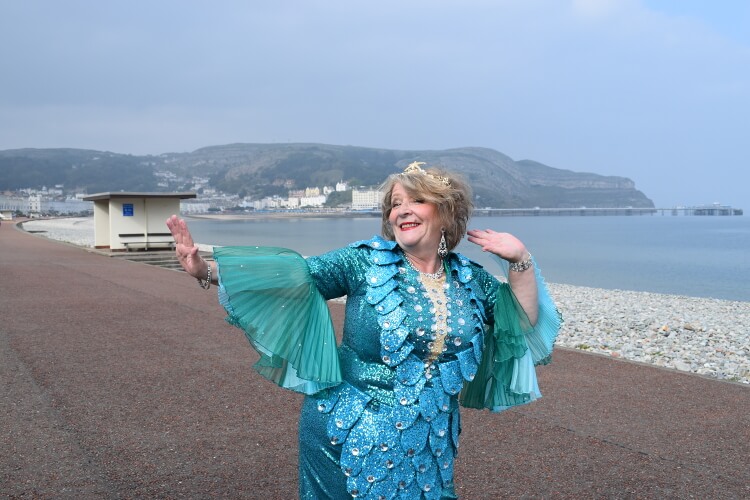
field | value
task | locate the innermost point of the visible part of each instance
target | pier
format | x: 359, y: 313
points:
x: 704, y: 210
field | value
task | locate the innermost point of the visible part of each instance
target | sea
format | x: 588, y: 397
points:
x: 698, y: 256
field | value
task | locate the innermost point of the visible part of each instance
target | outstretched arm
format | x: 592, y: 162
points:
x: 187, y: 251
x: 508, y: 247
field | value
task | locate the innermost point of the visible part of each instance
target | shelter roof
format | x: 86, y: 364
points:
x: 134, y: 194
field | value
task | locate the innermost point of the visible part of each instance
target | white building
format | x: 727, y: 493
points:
x: 341, y: 186
x: 312, y: 201
x: 194, y: 207
x: 366, y: 200
x: 35, y: 204
x: 12, y: 204
x: 267, y: 203
x: 291, y: 202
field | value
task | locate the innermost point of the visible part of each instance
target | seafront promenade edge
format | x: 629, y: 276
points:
x: 122, y: 380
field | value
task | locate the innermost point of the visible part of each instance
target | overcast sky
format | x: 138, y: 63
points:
x: 654, y: 90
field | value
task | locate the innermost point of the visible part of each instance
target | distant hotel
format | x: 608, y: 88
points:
x: 366, y: 200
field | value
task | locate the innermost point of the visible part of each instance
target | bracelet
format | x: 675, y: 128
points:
x: 521, y: 266
x: 207, y: 283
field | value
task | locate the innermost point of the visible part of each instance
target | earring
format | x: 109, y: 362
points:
x: 442, y: 247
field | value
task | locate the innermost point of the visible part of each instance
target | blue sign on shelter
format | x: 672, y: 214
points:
x: 127, y: 209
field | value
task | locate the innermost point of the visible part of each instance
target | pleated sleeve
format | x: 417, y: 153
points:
x: 269, y: 293
x: 512, y: 349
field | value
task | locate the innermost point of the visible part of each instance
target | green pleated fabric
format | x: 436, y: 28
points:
x: 268, y: 292
x: 504, y: 346
x: 512, y: 348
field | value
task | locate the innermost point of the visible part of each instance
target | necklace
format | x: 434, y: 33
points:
x: 437, y: 274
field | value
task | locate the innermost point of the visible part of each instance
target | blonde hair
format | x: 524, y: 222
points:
x: 449, y: 192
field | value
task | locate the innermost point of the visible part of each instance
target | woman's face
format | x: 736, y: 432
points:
x: 415, y: 223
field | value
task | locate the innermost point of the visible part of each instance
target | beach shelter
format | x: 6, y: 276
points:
x: 131, y: 220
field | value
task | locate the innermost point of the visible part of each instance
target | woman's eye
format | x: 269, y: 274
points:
x: 396, y: 204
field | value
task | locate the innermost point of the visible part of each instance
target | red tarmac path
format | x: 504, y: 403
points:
x: 121, y: 380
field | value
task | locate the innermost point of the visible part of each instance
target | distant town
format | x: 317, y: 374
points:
x: 57, y: 201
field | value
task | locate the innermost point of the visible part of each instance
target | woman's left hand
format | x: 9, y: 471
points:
x: 508, y: 247
x: 186, y: 250
x: 504, y: 245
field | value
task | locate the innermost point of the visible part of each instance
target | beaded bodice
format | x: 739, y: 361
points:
x: 437, y: 317
x: 434, y: 290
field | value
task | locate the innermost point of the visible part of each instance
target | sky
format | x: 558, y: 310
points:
x: 654, y: 90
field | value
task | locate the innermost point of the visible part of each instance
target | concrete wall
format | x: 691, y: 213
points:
x: 119, y: 223
x: 159, y: 210
x: 101, y: 224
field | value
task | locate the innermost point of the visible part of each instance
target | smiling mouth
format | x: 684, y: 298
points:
x: 408, y: 225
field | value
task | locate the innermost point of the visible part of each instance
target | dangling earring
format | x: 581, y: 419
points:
x: 442, y: 247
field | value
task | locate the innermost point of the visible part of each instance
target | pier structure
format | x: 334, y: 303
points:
x: 706, y: 210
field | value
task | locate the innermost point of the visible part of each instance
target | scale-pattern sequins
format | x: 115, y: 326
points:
x: 406, y: 449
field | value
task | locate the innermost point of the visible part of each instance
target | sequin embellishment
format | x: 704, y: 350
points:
x: 407, y: 449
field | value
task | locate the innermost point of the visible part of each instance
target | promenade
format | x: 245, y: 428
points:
x: 122, y: 380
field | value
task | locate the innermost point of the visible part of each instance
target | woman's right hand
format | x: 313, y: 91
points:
x: 186, y: 249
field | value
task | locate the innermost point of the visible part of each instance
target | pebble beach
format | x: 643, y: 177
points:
x: 709, y: 337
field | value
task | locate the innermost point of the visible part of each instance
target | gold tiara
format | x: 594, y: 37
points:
x: 415, y: 167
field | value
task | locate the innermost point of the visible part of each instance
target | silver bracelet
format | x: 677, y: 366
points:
x: 519, y: 267
x: 207, y: 283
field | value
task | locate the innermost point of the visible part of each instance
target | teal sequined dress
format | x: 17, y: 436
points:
x: 381, y: 419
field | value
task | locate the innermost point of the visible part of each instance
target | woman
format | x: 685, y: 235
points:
x: 425, y: 330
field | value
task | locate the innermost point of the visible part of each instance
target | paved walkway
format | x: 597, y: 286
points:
x: 121, y: 380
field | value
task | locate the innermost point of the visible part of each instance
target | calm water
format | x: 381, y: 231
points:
x: 696, y: 256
